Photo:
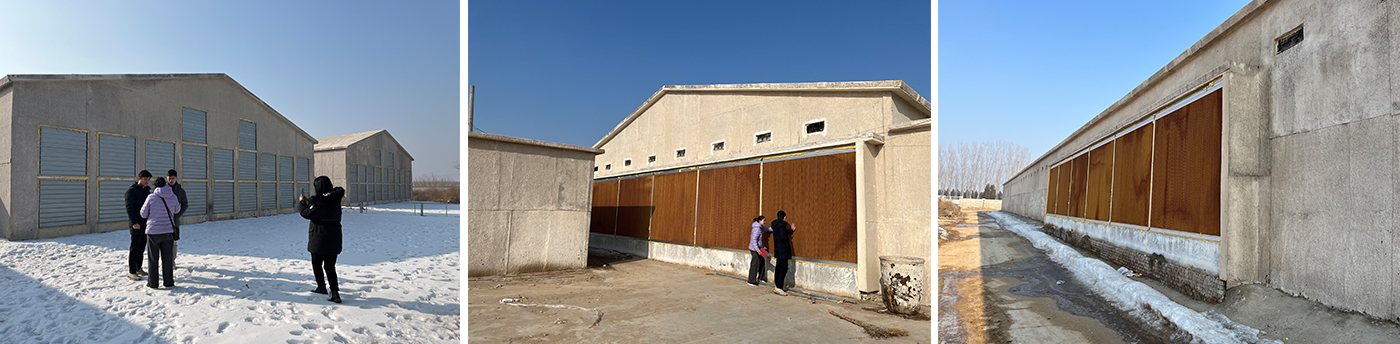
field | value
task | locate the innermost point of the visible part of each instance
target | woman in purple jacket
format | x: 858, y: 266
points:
x: 158, y: 210
x: 756, y: 243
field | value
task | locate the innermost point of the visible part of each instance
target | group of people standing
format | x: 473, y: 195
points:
x: 154, y: 216
x: 782, y: 250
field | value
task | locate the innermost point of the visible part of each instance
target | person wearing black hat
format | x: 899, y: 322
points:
x: 323, y: 209
x: 782, y: 251
x: 135, y: 198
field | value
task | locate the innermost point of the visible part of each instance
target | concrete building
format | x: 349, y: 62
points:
x: 75, y: 143
x: 685, y: 174
x: 1265, y: 153
x: 371, y: 165
x: 528, y: 207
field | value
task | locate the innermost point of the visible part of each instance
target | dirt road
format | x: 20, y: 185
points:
x: 996, y: 288
x: 648, y: 301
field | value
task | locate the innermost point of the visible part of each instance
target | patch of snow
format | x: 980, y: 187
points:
x: 241, y: 281
x: 1132, y: 296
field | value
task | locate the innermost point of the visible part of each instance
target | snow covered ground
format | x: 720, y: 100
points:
x: 243, y: 281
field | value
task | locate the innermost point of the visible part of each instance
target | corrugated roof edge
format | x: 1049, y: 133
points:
x: 1238, y: 17
x: 503, y: 138
x: 371, y: 133
x: 907, y: 93
x: 8, y: 79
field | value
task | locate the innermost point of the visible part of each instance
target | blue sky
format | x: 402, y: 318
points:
x: 331, y: 67
x: 1033, y: 72
x: 570, y: 71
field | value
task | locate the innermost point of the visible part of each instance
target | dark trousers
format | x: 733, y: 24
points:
x: 161, y: 257
x: 324, y: 263
x: 756, y: 267
x: 138, y: 247
x: 780, y: 273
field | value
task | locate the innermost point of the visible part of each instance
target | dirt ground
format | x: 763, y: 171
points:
x: 996, y: 288
x: 648, y: 301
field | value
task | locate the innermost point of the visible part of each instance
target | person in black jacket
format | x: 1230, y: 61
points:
x: 782, y: 251
x: 135, y: 197
x: 179, y: 190
x: 323, y: 209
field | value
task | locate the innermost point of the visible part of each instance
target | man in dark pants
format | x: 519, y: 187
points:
x: 135, y: 197
x: 174, y: 179
x: 782, y: 251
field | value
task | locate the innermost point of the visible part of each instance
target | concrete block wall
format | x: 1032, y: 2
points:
x: 902, y: 186
x: 529, y: 205
x: 141, y: 106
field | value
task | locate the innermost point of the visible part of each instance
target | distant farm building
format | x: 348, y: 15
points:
x: 372, y: 166
x: 75, y: 143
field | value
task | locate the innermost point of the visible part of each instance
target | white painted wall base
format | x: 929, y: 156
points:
x: 1186, y: 249
x: 813, y: 276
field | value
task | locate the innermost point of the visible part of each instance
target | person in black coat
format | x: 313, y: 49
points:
x: 323, y: 209
x: 782, y: 251
x: 135, y: 197
x: 179, y: 189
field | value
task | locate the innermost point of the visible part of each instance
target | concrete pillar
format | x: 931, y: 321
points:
x: 1245, y: 176
x: 867, y: 254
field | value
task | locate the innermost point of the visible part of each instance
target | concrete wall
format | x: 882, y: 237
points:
x: 362, y: 153
x: 137, y: 106
x: 529, y: 205
x: 7, y: 97
x: 1309, y: 162
x: 902, y: 188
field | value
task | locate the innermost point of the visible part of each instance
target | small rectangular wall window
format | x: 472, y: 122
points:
x: 595, y: 169
x: 651, y: 159
x: 680, y: 153
x: 627, y: 162
x: 762, y: 137
x: 816, y: 127
x: 607, y: 167
x: 1290, y: 39
x: 717, y: 146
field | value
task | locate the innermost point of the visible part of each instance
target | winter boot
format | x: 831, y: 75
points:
x: 335, y: 296
x: 142, y: 273
x: 320, y: 290
x: 133, y: 277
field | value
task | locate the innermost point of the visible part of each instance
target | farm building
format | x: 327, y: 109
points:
x: 683, y: 176
x: 1263, y: 154
x: 76, y: 142
x: 529, y: 205
x: 371, y: 165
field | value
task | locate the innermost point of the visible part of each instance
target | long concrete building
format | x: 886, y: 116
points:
x: 372, y: 166
x: 683, y: 176
x: 74, y: 144
x: 1266, y: 153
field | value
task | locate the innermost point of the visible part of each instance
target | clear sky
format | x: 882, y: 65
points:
x: 331, y: 67
x: 570, y: 71
x: 1033, y: 72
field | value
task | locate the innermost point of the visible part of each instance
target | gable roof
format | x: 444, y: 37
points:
x: 896, y: 87
x: 343, y: 141
x: 8, y: 79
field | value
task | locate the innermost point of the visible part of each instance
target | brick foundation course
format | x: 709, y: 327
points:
x: 1197, y: 284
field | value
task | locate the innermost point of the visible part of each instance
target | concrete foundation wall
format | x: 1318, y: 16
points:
x: 1309, y: 163
x: 819, y: 277
x: 144, y: 108
x: 528, y: 208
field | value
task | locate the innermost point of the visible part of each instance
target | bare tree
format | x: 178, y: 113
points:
x: 964, y: 166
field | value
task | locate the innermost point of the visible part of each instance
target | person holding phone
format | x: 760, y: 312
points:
x: 782, y: 251
x: 755, y: 246
x: 323, y: 241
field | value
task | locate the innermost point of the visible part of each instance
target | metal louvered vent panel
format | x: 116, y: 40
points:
x: 194, y: 162
x: 111, y: 200
x: 267, y: 167
x: 285, y: 195
x: 364, y: 177
x: 247, y: 196
x: 247, y: 135
x: 268, y: 196
x: 303, y: 169
x: 116, y: 156
x: 62, y: 203
x: 352, y: 175
x: 62, y: 152
x: 197, y: 194
x: 222, y: 197
x: 160, y: 157
x: 221, y: 164
x: 284, y: 168
x: 247, y: 165
x: 194, y: 124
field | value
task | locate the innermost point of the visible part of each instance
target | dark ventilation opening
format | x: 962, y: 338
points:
x: 607, y: 167
x: 651, y: 159
x: 764, y: 137
x: 595, y: 168
x: 1290, y: 40
x: 718, y: 146
x: 627, y: 162
x: 680, y: 153
x: 813, y: 128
